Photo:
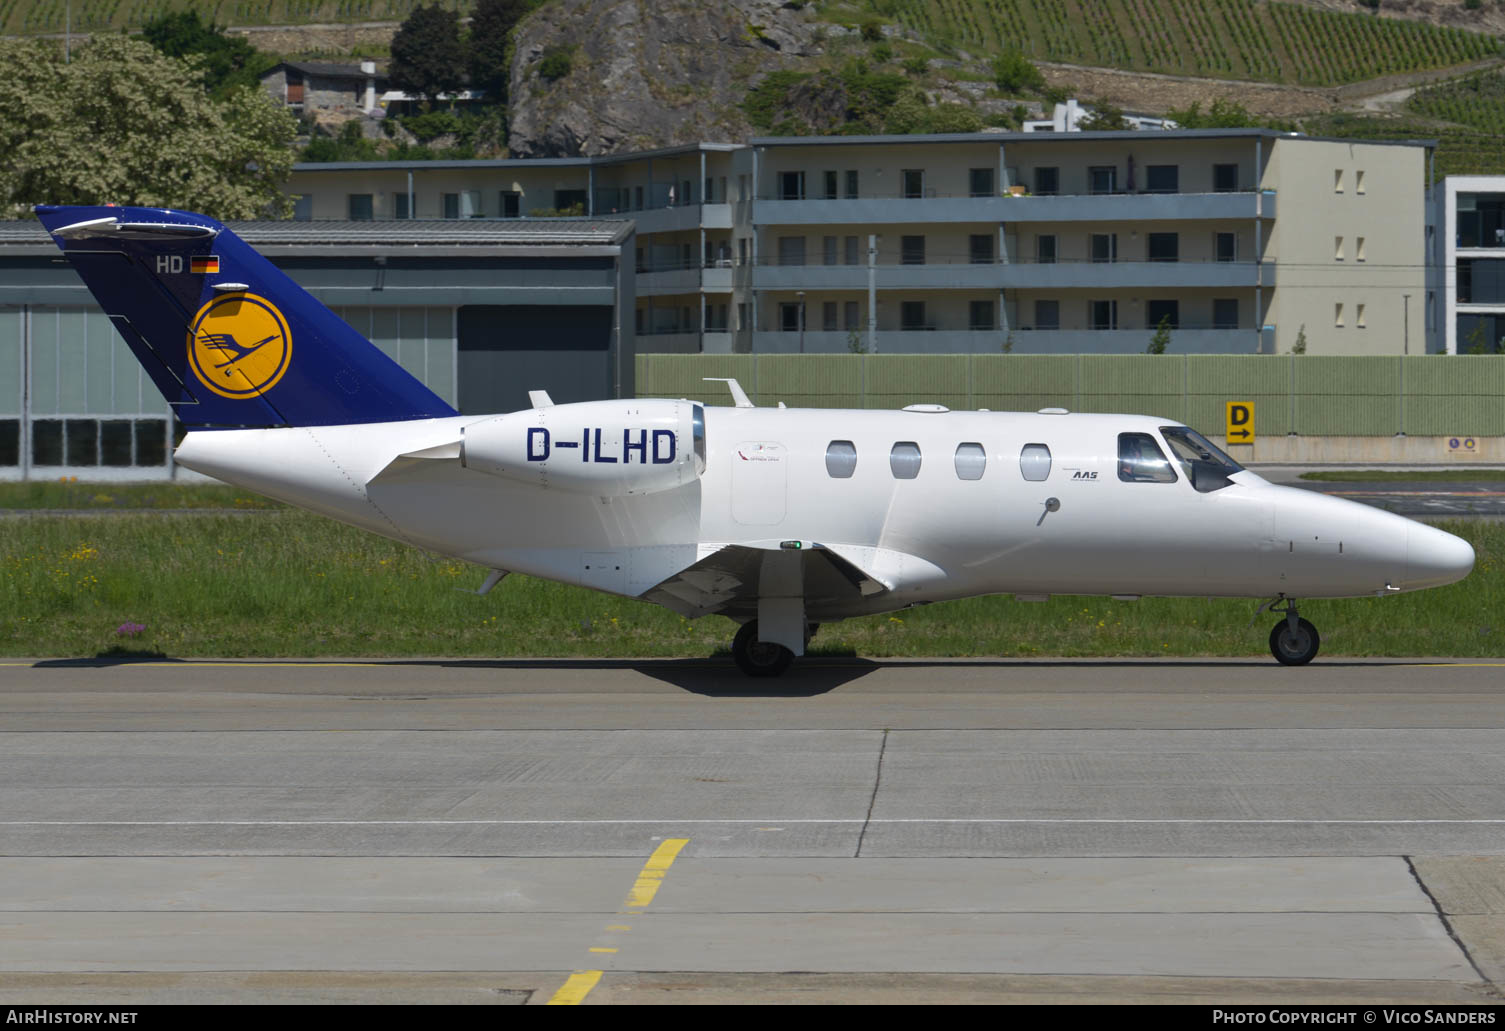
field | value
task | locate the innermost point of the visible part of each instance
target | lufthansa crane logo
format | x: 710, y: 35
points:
x: 239, y: 345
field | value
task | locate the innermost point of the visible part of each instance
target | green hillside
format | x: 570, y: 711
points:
x: 1237, y: 39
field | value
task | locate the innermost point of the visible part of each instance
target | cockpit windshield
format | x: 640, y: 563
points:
x: 1206, y: 467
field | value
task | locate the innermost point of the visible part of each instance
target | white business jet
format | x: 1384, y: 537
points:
x: 782, y: 519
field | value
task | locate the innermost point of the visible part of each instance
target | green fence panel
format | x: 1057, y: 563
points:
x: 1462, y: 395
x: 682, y: 375
x: 1347, y: 396
x: 896, y: 380
x: 1431, y: 395
x: 810, y: 381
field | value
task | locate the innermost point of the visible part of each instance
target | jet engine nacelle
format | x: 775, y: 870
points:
x: 605, y: 448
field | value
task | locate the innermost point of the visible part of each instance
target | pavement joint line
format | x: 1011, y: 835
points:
x: 692, y: 820
x: 1447, y: 925
x: 649, y: 879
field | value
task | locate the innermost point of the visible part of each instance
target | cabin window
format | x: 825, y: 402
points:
x: 841, y: 459
x: 904, y: 460
x: 971, y: 461
x: 1034, y: 462
x: 1140, y: 460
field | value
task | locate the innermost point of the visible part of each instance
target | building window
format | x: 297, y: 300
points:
x: 980, y: 315
x: 1337, y: 248
x: 303, y: 208
x: 1045, y: 249
x: 1225, y: 246
x: 10, y: 442
x: 980, y: 248
x: 1358, y: 181
x: 400, y: 206
x: 1358, y: 316
x: 87, y: 442
x: 789, y: 317
x: 1102, y: 179
x: 1338, y: 315
x: 791, y: 186
x: 791, y: 250
x: 1155, y: 311
x: 1104, y: 314
x: 1034, y: 463
x: 1163, y: 247
x: 1162, y: 178
x: 849, y: 245
x: 741, y: 316
x: 914, y: 182
x: 451, y: 205
x: 1337, y: 180
x: 904, y: 460
x: 911, y: 250
x: 1104, y: 247
x: 1358, y: 248
x: 828, y: 316
x: 981, y: 182
x: 1225, y: 313
x: 360, y: 207
x: 637, y: 198
x: 830, y: 183
x: 510, y: 202
x: 851, y: 183
x: 566, y: 202
x: 1225, y: 178
x: 1047, y: 314
x: 828, y: 250
x: 971, y: 461
x: 841, y: 459
x: 849, y: 316
x: 912, y: 315
x: 1047, y: 181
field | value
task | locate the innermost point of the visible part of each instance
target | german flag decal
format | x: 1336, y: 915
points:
x: 205, y: 266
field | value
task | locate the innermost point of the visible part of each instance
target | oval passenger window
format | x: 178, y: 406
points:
x: 841, y: 459
x: 1034, y: 462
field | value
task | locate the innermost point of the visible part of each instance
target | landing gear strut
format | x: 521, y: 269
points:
x: 1293, y: 641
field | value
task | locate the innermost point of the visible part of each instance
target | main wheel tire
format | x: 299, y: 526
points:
x: 759, y: 658
x: 1294, y: 647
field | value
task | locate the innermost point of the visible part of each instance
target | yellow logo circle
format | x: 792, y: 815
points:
x: 239, y: 345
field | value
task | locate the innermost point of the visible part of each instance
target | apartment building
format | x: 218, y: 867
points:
x: 1469, y: 252
x: 1239, y: 241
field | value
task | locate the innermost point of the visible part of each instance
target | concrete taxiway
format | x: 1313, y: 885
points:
x: 965, y: 831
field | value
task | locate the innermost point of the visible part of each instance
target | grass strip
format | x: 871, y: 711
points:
x: 71, y: 494
x: 294, y: 584
x: 1408, y: 475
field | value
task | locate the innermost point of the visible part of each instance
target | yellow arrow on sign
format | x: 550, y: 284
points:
x: 1240, y: 422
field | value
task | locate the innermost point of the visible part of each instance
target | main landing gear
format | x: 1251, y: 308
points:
x: 763, y: 658
x: 1293, y: 641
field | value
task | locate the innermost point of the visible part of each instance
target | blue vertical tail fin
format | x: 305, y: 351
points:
x: 226, y: 336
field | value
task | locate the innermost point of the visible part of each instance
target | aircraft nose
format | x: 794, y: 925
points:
x: 1434, y: 558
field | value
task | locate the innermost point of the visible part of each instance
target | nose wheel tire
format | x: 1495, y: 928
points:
x: 759, y: 658
x: 1294, y: 646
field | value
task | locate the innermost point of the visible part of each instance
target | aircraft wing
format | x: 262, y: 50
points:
x: 725, y: 578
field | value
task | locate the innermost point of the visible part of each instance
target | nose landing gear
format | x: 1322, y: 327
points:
x: 1293, y: 641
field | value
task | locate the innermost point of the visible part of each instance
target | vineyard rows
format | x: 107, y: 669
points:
x: 1241, y: 39
x: 1477, y: 101
x: 91, y: 15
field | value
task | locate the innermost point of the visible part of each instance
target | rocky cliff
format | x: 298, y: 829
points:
x: 600, y: 76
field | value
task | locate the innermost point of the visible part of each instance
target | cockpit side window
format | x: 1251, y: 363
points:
x: 1140, y: 460
x: 1207, y: 467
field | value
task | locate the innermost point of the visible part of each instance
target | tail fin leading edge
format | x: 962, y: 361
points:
x: 226, y: 336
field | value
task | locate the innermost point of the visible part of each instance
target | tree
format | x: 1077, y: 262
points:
x: 427, y: 56
x: 229, y: 61
x: 1103, y: 116
x: 1162, y: 338
x: 1013, y: 74
x: 125, y: 124
x: 491, y: 28
x: 1223, y: 114
x: 1299, y: 347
